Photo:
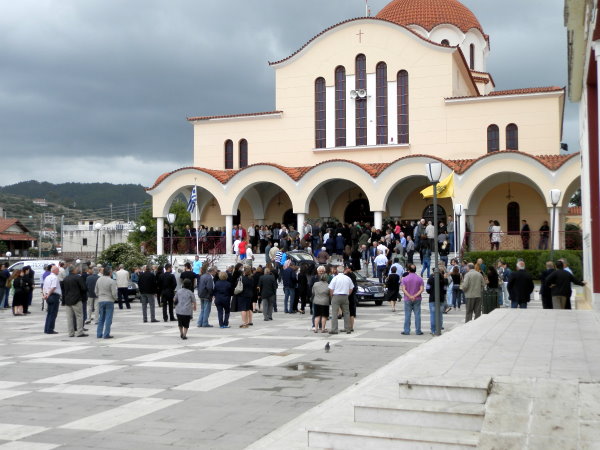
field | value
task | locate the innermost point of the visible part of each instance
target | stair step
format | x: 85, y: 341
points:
x: 444, y: 414
x: 473, y: 391
x: 392, y: 437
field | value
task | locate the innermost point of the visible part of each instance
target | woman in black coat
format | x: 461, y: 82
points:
x: 244, y: 301
x: 545, y: 289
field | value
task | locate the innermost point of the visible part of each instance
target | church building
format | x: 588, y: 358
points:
x: 360, y: 109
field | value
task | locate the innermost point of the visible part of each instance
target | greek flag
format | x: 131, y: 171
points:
x: 192, y: 203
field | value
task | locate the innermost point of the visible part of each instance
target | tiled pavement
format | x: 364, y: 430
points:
x: 147, y: 388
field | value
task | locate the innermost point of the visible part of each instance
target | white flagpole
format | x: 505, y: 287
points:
x: 197, y: 219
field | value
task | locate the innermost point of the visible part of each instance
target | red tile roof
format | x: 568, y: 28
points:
x: 524, y: 91
x: 574, y: 211
x: 232, y: 116
x: 273, y: 63
x: 460, y: 166
x: 430, y: 13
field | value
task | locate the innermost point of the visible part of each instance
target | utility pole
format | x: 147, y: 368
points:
x: 110, y: 212
x: 62, y: 236
x: 40, y: 238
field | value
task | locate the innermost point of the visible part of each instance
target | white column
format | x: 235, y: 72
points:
x: 300, y: 223
x: 371, y: 109
x: 229, y: 235
x: 378, y: 219
x: 160, y: 234
x: 557, y: 227
x: 330, y: 116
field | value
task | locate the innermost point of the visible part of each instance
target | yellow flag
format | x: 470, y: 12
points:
x: 445, y: 188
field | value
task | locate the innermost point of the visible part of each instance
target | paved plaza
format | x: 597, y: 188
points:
x: 222, y: 388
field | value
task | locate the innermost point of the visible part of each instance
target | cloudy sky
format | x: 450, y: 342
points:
x: 99, y: 90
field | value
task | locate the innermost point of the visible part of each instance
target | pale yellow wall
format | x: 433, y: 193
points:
x: 447, y: 130
x: 494, y: 203
x: 538, y: 119
x: 414, y: 205
x: 275, y: 212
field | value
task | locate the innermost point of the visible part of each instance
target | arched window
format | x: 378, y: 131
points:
x: 361, y: 103
x: 229, y: 154
x: 472, y: 56
x: 320, y: 115
x: 402, y: 83
x: 445, y: 42
x: 340, y: 107
x: 512, y: 137
x: 382, y: 104
x: 493, y: 138
x: 243, y: 150
x: 513, y: 218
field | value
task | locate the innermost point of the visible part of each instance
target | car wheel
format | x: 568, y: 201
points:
x: 379, y: 302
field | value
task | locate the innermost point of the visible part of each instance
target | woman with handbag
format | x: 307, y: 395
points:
x: 393, y: 287
x: 321, y: 302
x: 185, y: 305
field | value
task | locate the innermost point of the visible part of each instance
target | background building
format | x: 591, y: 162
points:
x: 360, y: 109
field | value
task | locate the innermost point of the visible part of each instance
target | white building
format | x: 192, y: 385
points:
x: 82, y: 238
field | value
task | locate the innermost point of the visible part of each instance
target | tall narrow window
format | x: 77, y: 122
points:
x: 243, y: 149
x: 361, y: 103
x: 402, y: 83
x: 493, y: 138
x: 513, y: 218
x: 320, y: 116
x: 340, y: 107
x: 382, y: 104
x: 229, y: 154
x: 512, y: 137
x: 472, y: 56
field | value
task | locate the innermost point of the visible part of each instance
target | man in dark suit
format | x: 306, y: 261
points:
x: 520, y: 286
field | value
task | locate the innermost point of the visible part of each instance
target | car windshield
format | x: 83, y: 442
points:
x: 360, y: 277
x: 303, y: 256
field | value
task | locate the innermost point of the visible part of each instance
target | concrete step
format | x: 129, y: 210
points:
x: 469, y: 391
x: 449, y: 415
x: 389, y: 437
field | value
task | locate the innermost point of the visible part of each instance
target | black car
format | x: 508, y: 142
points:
x: 300, y: 257
x: 369, y: 291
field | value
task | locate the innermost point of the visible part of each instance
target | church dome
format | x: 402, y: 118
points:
x: 430, y: 13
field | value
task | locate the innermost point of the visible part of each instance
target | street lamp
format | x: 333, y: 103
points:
x: 434, y: 173
x: 555, y: 195
x: 458, y: 210
x: 8, y: 255
x: 78, y: 262
x: 142, y: 229
x: 171, y: 219
x: 97, y: 227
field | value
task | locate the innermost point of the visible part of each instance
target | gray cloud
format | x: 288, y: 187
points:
x: 106, y: 85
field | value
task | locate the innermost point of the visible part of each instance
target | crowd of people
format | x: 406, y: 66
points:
x: 325, y: 288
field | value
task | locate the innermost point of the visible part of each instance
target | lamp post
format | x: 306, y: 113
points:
x: 97, y: 227
x: 171, y: 219
x: 555, y: 195
x: 458, y: 210
x: 8, y: 255
x: 78, y: 262
x: 142, y: 230
x: 434, y: 173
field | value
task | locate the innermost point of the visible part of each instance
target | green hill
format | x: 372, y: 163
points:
x: 86, y: 196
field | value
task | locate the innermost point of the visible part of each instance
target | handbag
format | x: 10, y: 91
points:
x: 239, y: 287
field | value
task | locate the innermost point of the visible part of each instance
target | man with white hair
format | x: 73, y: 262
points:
x: 520, y: 287
x: 122, y: 285
x: 340, y: 288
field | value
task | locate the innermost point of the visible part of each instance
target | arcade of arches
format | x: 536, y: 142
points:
x: 347, y: 192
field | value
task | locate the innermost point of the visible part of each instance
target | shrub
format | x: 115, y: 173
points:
x: 535, y: 260
x: 123, y: 253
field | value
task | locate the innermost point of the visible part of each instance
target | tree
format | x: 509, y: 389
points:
x: 123, y: 253
x: 576, y: 198
x: 148, y: 238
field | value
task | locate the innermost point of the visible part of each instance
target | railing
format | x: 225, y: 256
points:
x: 187, y: 245
x: 534, y: 240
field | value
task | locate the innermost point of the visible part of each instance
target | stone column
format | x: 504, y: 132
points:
x: 160, y: 234
x: 300, y: 223
x: 378, y: 219
x: 229, y: 235
x: 463, y: 229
